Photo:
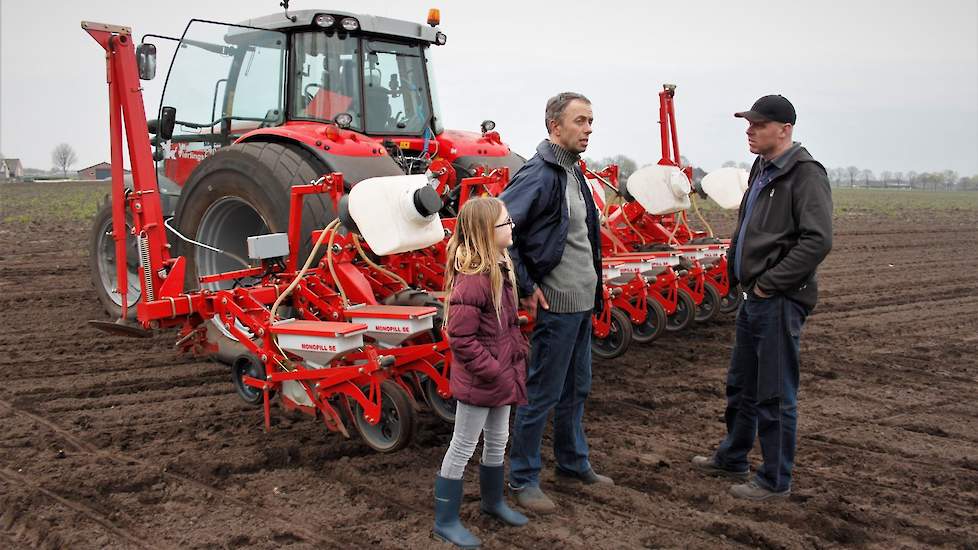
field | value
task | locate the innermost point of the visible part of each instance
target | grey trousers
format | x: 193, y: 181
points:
x: 493, y: 422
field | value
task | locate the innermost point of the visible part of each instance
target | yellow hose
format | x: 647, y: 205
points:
x: 305, y: 267
x: 371, y: 263
x: 696, y: 209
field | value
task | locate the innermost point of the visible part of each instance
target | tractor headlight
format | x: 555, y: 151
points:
x: 325, y: 20
x: 349, y: 24
x: 343, y: 120
x: 440, y: 38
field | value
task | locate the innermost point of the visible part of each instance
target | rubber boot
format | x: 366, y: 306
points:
x: 493, y: 501
x: 448, y: 500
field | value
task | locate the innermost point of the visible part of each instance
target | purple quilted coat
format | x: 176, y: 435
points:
x: 488, y: 360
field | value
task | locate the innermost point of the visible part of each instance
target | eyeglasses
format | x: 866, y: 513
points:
x: 509, y: 222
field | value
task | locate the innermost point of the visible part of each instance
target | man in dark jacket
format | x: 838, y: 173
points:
x: 784, y: 231
x: 557, y: 256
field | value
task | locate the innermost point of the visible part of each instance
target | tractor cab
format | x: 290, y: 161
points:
x: 337, y: 84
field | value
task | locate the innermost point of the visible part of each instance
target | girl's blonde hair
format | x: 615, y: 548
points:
x: 472, y: 249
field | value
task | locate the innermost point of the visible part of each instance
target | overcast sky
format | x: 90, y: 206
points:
x: 880, y: 85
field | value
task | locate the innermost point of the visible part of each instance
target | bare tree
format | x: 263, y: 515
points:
x: 866, y: 175
x: 853, y: 173
x: 626, y: 166
x: 912, y: 179
x: 729, y: 164
x: 898, y: 176
x: 950, y: 178
x: 63, y: 156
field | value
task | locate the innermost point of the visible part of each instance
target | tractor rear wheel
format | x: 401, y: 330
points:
x: 102, y: 264
x: 241, y: 191
x: 397, y: 420
x: 654, y: 325
x: 684, y: 314
x: 618, y: 339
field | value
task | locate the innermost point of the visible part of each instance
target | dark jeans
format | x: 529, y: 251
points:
x: 762, y: 389
x: 559, y: 377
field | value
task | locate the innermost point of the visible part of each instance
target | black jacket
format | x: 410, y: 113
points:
x: 789, y: 232
x: 536, y: 200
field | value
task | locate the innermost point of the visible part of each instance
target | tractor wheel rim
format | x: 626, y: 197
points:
x: 107, y: 265
x: 226, y: 225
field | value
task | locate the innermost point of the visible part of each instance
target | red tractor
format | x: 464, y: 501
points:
x: 249, y: 110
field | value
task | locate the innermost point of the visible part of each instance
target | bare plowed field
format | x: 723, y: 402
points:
x: 123, y: 443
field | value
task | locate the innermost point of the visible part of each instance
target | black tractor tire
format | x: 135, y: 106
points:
x: 685, y: 313
x: 618, y: 339
x: 654, y: 325
x: 101, y: 263
x: 241, y: 191
x: 397, y: 420
x: 710, y: 306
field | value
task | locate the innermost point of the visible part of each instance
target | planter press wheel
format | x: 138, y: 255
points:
x: 397, y: 420
x: 710, y: 306
x: 654, y: 325
x: 619, y: 337
x: 685, y: 312
x: 730, y: 302
x: 443, y: 408
x: 248, y: 365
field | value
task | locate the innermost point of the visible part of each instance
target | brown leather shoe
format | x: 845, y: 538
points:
x: 708, y: 465
x: 752, y: 490
x: 533, y: 499
x: 589, y: 477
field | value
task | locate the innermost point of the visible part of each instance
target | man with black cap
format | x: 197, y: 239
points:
x: 784, y: 231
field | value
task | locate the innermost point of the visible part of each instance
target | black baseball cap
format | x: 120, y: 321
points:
x: 770, y: 107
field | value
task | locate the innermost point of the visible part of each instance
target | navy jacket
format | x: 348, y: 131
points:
x: 536, y: 200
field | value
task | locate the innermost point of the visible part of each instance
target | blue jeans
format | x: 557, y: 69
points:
x: 559, y: 378
x: 762, y: 389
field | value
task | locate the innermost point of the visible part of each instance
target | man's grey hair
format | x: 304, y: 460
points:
x: 557, y: 104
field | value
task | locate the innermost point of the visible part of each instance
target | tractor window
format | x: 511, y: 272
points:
x: 225, y: 80
x: 395, y: 88
x: 438, y: 126
x: 325, y: 78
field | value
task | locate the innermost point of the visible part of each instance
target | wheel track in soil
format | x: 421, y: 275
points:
x: 78, y: 507
x: 818, y: 438
x: 123, y: 458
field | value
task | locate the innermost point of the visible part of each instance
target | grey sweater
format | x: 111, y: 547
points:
x: 569, y: 287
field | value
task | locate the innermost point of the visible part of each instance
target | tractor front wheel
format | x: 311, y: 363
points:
x: 102, y: 264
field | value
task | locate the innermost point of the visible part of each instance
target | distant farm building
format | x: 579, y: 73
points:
x: 11, y: 169
x: 100, y: 171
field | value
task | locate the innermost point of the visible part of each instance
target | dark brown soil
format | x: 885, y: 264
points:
x: 112, y: 442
